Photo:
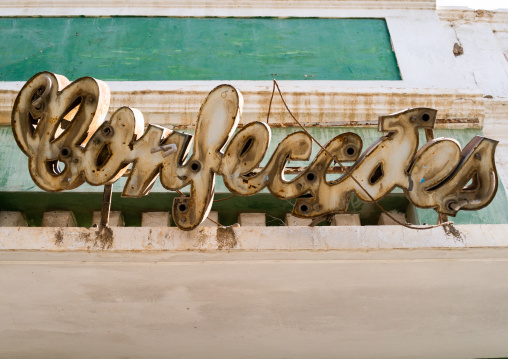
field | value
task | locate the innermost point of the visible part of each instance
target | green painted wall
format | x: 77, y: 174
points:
x: 154, y: 49
x: 17, y: 191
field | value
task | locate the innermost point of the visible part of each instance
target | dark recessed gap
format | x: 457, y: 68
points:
x: 64, y: 124
x: 249, y: 175
x: 55, y: 167
x: 38, y: 93
x: 32, y: 123
x: 425, y: 117
x: 307, y: 195
x: 473, y: 183
x: 103, y: 156
x: 247, y: 145
x: 67, y: 117
x: 376, y: 174
x: 72, y: 109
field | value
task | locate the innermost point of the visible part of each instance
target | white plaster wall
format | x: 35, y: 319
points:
x: 484, y: 64
x: 482, y: 35
x: 289, y: 308
x: 205, y: 8
x: 483, y: 61
x: 286, y: 298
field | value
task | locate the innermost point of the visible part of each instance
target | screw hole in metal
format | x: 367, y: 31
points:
x: 311, y: 176
x: 195, y: 166
x: 107, y: 131
x: 65, y: 152
x: 425, y: 117
x: 182, y: 207
x: 350, y: 151
x: 304, y: 208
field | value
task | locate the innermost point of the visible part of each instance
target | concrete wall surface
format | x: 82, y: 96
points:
x: 248, y: 239
x: 250, y: 292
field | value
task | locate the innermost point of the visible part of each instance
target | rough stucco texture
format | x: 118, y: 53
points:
x: 153, y: 49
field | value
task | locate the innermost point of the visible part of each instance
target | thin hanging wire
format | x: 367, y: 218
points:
x: 344, y: 168
x: 336, y: 160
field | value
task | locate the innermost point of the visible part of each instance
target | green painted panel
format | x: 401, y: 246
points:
x: 17, y: 191
x: 159, y: 48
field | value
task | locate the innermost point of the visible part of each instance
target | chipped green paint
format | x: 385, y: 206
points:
x: 158, y: 48
x: 18, y: 192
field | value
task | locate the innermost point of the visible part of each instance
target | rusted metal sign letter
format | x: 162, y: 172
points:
x: 61, y: 127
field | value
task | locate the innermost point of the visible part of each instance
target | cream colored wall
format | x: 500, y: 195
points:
x: 356, y: 292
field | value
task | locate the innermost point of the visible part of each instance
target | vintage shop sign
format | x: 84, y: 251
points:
x: 55, y: 121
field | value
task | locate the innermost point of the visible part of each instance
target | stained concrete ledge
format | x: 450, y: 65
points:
x: 298, y: 238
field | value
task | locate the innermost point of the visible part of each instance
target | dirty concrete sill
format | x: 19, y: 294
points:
x: 248, y: 239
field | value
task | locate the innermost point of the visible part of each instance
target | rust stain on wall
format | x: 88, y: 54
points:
x: 226, y: 238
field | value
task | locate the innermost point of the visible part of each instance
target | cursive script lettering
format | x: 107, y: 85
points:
x: 61, y: 127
